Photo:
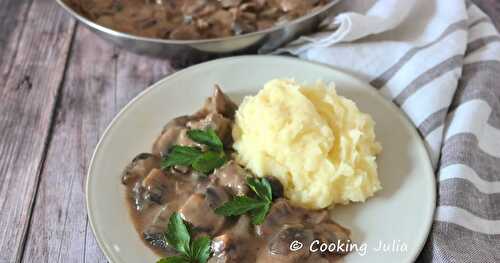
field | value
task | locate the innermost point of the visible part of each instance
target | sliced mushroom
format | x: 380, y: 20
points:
x: 154, y: 233
x: 155, y: 239
x: 281, y: 213
x: 278, y: 248
x: 276, y: 187
x: 155, y: 186
x: 136, y: 194
x: 330, y: 232
x: 140, y: 166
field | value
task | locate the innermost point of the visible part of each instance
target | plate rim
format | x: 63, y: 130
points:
x: 158, y: 84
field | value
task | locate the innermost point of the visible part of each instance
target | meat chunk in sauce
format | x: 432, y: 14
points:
x: 282, y: 212
x: 154, y: 195
x: 217, y: 113
x: 218, y: 103
x: 278, y: 248
x: 133, y: 175
x: 286, y: 222
x: 198, y: 213
x: 227, y: 247
x: 174, y: 132
x: 233, y: 177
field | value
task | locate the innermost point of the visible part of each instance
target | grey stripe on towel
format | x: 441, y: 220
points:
x: 462, y: 193
x: 380, y: 81
x: 463, y: 149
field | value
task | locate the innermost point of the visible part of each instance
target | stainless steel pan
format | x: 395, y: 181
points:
x: 185, y: 52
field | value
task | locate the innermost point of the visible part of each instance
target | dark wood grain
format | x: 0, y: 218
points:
x: 100, y: 80
x: 13, y: 15
x: 35, y: 43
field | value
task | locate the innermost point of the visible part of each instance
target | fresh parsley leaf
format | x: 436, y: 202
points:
x: 200, y: 249
x: 238, y: 206
x: 177, y: 234
x: 181, y: 155
x: 259, y: 214
x: 261, y: 187
x: 207, y: 137
x: 209, y: 161
x: 174, y: 259
x: 258, y: 208
x: 201, y: 161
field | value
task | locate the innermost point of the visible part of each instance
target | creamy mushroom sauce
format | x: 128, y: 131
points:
x: 192, y: 19
x: 153, y: 195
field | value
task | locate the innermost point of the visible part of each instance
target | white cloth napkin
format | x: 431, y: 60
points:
x: 439, y: 61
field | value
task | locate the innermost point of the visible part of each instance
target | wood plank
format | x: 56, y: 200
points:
x: 100, y: 80
x: 13, y: 16
x: 35, y: 57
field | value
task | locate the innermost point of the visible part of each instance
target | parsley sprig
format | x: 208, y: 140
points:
x: 178, y: 236
x: 207, y: 137
x: 257, y: 207
x: 201, y: 161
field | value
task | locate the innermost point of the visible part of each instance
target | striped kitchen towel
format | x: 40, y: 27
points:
x: 439, y: 61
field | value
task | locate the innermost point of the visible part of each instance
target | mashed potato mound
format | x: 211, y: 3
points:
x: 317, y: 143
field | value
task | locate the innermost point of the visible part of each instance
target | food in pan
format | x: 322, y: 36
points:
x: 192, y: 19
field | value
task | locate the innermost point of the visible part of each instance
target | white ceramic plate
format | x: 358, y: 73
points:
x: 399, y: 216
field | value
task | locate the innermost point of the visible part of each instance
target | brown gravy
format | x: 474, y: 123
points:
x: 192, y: 19
x: 154, y: 194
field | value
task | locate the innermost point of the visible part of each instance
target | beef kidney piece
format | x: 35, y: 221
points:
x: 197, y: 212
x: 278, y: 247
x: 215, y: 121
x: 233, y: 177
x: 235, y: 244
x: 218, y: 103
x: 173, y: 133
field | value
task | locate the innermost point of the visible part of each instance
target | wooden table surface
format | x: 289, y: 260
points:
x: 60, y: 87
